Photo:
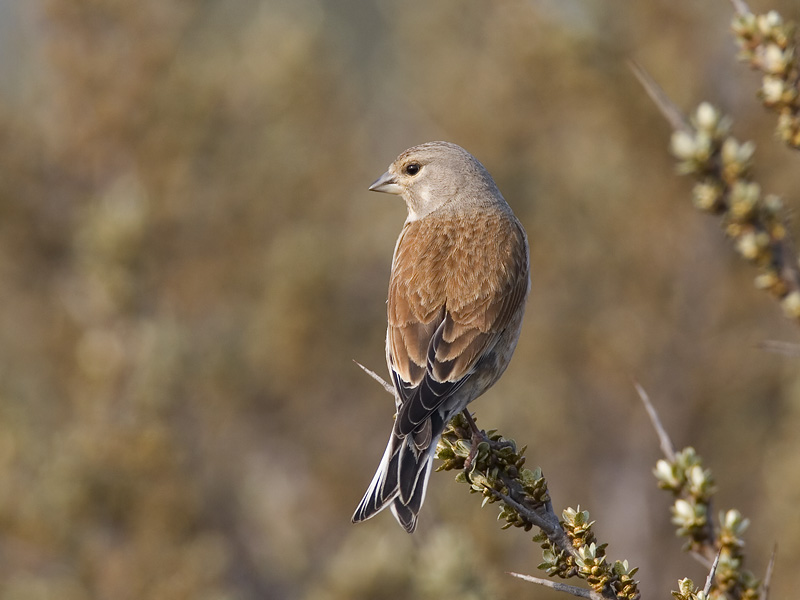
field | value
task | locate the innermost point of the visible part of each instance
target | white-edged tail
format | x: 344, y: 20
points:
x: 400, y: 482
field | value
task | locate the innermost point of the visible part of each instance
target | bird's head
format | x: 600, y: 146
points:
x: 435, y: 174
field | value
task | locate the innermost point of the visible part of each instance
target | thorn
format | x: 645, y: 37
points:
x: 768, y: 575
x: 741, y: 7
x: 376, y: 377
x: 710, y: 578
x: 780, y: 347
x: 561, y: 587
x: 667, y: 107
x: 666, y: 444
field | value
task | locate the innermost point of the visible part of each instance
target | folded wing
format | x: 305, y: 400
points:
x: 456, y: 285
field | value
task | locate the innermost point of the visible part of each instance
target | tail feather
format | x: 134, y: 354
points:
x: 406, y: 514
x: 383, y: 487
x: 401, y: 480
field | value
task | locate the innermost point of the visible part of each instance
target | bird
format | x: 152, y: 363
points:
x: 459, y: 282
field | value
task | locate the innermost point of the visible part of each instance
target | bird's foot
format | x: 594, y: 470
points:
x: 477, y: 436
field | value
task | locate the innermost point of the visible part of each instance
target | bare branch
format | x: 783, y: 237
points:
x: 544, y: 518
x: 387, y: 386
x: 703, y: 548
x: 740, y: 6
x: 780, y: 347
x: 710, y: 578
x: 702, y: 558
x: 668, y: 108
x: 560, y: 587
x: 666, y: 444
x: 787, y: 259
x: 768, y: 576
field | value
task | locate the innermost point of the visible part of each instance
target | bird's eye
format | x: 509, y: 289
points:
x: 412, y: 169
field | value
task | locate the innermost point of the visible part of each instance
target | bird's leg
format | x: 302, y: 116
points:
x: 476, y: 433
x: 477, y: 437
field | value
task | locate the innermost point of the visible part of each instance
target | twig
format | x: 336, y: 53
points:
x: 740, y: 6
x: 702, y: 549
x: 710, y: 578
x: 779, y: 347
x: 532, y: 508
x: 561, y: 587
x: 721, y: 167
x: 526, y: 504
x: 768, y: 44
x: 702, y: 558
x: 768, y: 575
x: 545, y: 519
x: 387, y: 386
x: 787, y: 259
x: 659, y: 96
x: 666, y: 444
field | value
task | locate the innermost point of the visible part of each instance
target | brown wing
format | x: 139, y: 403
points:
x: 456, y: 284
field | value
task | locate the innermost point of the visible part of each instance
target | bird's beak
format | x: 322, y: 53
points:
x: 386, y: 183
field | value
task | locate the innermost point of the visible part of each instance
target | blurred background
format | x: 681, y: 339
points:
x: 190, y: 261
